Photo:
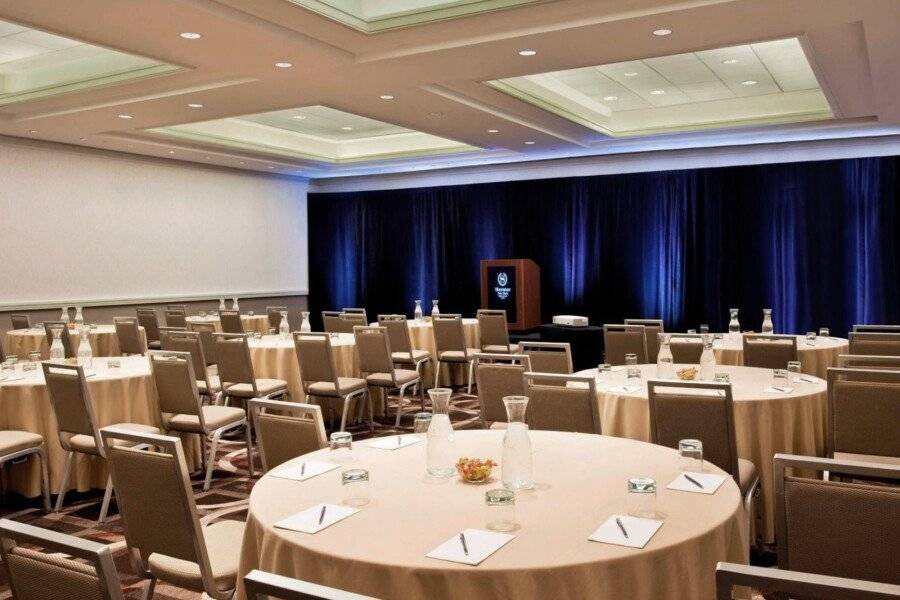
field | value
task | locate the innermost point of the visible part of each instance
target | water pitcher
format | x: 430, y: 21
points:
x: 222, y: 304
x: 767, y: 325
x: 516, y: 464
x: 707, y: 360
x: 435, y: 311
x: 665, y: 368
x: 304, y: 323
x: 283, y: 328
x: 64, y: 317
x: 79, y: 317
x: 734, y: 326
x: 234, y: 304
x: 418, y: 312
x: 85, y: 354
x: 440, y: 461
x: 57, y: 350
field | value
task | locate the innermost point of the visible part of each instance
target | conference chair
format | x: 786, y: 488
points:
x: 175, y: 318
x: 79, y: 433
x: 498, y: 376
x: 331, y: 321
x: 20, y: 321
x: 863, y: 415
x: 286, y: 430
x: 147, y: 319
x: 190, y: 342
x: 318, y: 374
x: 837, y: 528
x: 260, y: 585
x: 128, y: 334
x: 181, y: 410
x: 796, y: 584
x: 562, y: 403
x: 703, y: 411
x: 877, y: 328
x: 494, y: 332
x: 230, y: 321
x: 548, y: 357
x: 2, y: 352
x: 863, y: 361
x: 402, y: 351
x: 237, y: 378
x: 207, y: 331
x: 66, y: 336
x: 165, y: 538
x: 652, y: 329
x: 620, y: 340
x: 686, y: 348
x: 871, y: 343
x: 19, y: 446
x: 373, y: 349
x: 342, y: 322
x: 450, y: 345
x: 42, y: 564
x: 274, y: 315
x: 181, y: 307
x: 357, y: 311
x: 769, y: 351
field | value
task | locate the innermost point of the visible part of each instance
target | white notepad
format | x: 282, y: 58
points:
x: 639, y: 531
x: 709, y: 481
x: 780, y: 390
x: 806, y: 379
x: 479, y: 542
x: 11, y: 377
x: 394, y: 442
x: 304, y: 471
x: 308, y: 520
x: 625, y: 389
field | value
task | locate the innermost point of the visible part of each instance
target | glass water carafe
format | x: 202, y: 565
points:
x: 767, y: 325
x: 234, y: 304
x: 417, y: 313
x: 516, y: 465
x: 440, y: 461
x: 79, y: 317
x: 707, y: 360
x: 57, y: 350
x: 284, y: 329
x: 734, y: 326
x: 85, y: 354
x: 665, y: 367
x: 304, y: 322
x: 222, y: 304
x: 64, y: 316
x: 435, y: 311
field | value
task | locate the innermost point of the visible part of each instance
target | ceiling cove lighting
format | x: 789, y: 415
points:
x: 662, y: 31
x: 190, y: 35
x: 527, y: 52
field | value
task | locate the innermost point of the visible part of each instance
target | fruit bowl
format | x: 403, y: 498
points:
x: 687, y: 374
x: 475, y: 470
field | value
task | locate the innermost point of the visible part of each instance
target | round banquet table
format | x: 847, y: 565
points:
x: 765, y: 423
x: 581, y: 481
x: 814, y: 358
x: 21, y: 342
x: 119, y: 395
x: 258, y: 323
x: 421, y: 334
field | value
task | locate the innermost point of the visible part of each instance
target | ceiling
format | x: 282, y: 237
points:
x: 273, y: 85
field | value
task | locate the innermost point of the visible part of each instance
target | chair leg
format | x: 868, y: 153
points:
x: 344, y: 412
x: 148, y: 591
x: 400, y: 406
x: 45, y: 478
x: 437, y: 372
x: 107, y: 496
x: 367, y: 398
x: 67, y: 472
x: 211, y: 460
x: 471, y: 369
x: 249, y: 449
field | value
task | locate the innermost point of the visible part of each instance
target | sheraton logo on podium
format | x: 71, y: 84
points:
x: 502, y: 290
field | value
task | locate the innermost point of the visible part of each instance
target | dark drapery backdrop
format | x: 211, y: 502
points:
x: 816, y: 241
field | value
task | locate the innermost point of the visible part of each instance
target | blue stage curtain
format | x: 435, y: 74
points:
x: 817, y: 242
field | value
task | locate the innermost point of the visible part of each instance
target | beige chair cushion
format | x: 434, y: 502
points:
x: 264, y: 387
x: 499, y: 425
x: 404, y: 357
x: 457, y: 355
x: 746, y: 474
x: 214, y: 383
x: 214, y: 416
x: 85, y: 443
x: 223, y: 545
x: 154, y: 345
x: 872, y: 458
x: 498, y: 349
x: 384, y: 379
x: 346, y: 385
x: 14, y: 441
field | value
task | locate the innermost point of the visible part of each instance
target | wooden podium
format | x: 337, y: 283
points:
x: 513, y: 285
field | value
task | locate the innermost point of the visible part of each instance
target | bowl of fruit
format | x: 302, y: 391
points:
x: 687, y: 374
x: 475, y: 470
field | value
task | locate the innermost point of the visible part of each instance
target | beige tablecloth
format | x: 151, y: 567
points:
x: 276, y: 358
x: 814, y: 358
x: 258, y: 323
x: 21, y: 342
x: 581, y: 481
x: 765, y: 423
x: 119, y: 395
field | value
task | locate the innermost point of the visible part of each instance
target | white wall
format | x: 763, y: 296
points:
x: 88, y: 226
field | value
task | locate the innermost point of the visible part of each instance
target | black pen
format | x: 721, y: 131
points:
x: 322, y: 514
x: 694, y: 481
x: 462, y: 540
x: 399, y: 443
x: 302, y: 469
x: 622, y: 527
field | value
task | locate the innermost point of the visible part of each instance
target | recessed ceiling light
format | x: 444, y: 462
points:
x: 206, y: 158
x: 610, y: 98
x: 662, y: 31
x: 171, y: 152
x: 730, y: 61
x: 749, y: 82
x: 125, y: 117
x: 527, y: 52
x: 243, y: 163
x: 493, y: 131
x: 284, y: 65
x: 195, y: 105
x: 386, y: 97
x: 82, y: 139
x: 630, y: 73
x: 299, y: 117
x: 32, y: 131
x: 347, y: 128
x: 190, y: 35
x: 436, y: 114
x: 271, y: 167
x: 657, y: 92
x: 529, y: 143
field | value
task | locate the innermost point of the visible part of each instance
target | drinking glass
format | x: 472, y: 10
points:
x: 642, y: 497
x: 721, y: 378
x: 604, y: 371
x: 202, y: 314
x: 34, y: 357
x: 793, y: 367
x: 357, y: 489
x: 113, y: 363
x: 824, y: 332
x: 272, y: 331
x: 810, y: 338
x: 249, y: 313
x: 779, y: 378
x: 500, y: 510
x: 9, y: 364
x: 421, y: 422
x: 691, y: 453
x: 631, y: 365
x: 692, y: 331
x: 704, y: 328
x: 341, y: 443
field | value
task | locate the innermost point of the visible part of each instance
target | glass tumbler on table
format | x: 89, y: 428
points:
x: 690, y: 453
x: 633, y: 371
x: 824, y: 332
x: 500, y: 510
x: 793, y: 368
x: 779, y: 378
x: 810, y: 338
x: 642, y: 497
x: 357, y: 488
x: 341, y: 444
x: 604, y: 372
x: 421, y: 421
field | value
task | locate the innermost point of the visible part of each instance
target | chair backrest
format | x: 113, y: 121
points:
x: 838, y: 528
x: 56, y: 575
x: 374, y: 350
x: 769, y: 351
x: 871, y: 343
x: 128, y: 334
x: 686, y: 347
x: 20, y: 321
x: 798, y: 584
x: 206, y: 331
x: 314, y: 358
x: 286, y: 430
x: 398, y: 332
x: 695, y: 410
x: 66, y: 336
x: 331, y: 321
x: 260, y: 585
x: 274, y: 314
x: 230, y: 321
x: 176, y: 383
x: 877, y: 328
x: 652, y: 329
x: 448, y: 333
x: 866, y: 361
x: 147, y: 319
x: 190, y: 342
x: 155, y: 499
x: 357, y: 311
x: 71, y: 401
x: 181, y: 307
x: 496, y: 376
x: 2, y: 352
x: 234, y: 359
x: 175, y: 318
x: 620, y: 340
x: 548, y: 357
x: 569, y: 403
x: 492, y: 327
x: 863, y: 412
